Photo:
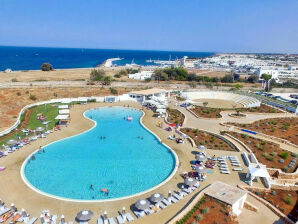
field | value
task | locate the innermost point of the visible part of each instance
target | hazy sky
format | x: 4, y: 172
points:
x: 192, y: 25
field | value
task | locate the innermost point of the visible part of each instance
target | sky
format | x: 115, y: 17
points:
x: 243, y: 26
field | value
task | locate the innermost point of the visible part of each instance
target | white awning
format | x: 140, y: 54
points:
x: 65, y: 111
x: 62, y: 117
x: 63, y: 107
x: 161, y: 111
x: 258, y: 172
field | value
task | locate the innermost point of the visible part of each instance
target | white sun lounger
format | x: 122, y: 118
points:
x: 31, y: 221
x: 177, y: 196
x: 187, y: 190
x: 238, y: 169
x: 129, y: 217
x: 139, y: 214
x: 112, y: 221
x: 4, y: 211
x: 225, y: 172
x: 149, y: 211
x: 173, y: 200
x: 100, y: 221
x: 166, y: 202
x: 120, y: 219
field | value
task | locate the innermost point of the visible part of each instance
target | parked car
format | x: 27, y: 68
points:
x: 294, y: 96
x: 294, y: 102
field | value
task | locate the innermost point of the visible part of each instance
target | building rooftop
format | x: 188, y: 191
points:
x: 224, y: 192
x: 149, y: 91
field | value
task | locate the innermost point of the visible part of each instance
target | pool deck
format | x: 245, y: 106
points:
x: 14, y: 190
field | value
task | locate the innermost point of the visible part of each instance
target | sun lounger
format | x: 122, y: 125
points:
x: 31, y: 221
x: 129, y: 217
x: 187, y: 190
x: 139, y: 214
x: 4, y: 211
x: 120, y: 219
x: 166, y: 202
x: 177, y: 196
x: 112, y: 221
x: 149, y: 211
x: 100, y: 221
x: 225, y: 172
x: 238, y: 169
x: 173, y: 200
x: 70, y: 222
x: 162, y: 205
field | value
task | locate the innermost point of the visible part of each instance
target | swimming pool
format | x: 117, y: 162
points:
x: 119, y: 155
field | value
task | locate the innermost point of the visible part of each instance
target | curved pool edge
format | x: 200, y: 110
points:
x: 25, y: 180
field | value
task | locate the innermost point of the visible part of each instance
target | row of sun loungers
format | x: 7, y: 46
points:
x: 223, y: 166
x: 24, y: 216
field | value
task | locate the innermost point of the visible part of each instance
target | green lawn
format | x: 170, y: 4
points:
x: 47, y: 110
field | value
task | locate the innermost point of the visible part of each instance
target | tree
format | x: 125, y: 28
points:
x: 205, y: 104
x: 46, y: 67
x: 106, y: 81
x: 253, y: 78
x: 267, y: 80
x: 227, y: 79
x: 97, y: 75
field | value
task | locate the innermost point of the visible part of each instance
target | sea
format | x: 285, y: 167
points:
x: 31, y: 58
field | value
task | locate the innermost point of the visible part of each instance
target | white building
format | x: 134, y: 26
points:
x: 147, y: 94
x: 141, y: 75
x: 280, y: 74
x: 227, y: 194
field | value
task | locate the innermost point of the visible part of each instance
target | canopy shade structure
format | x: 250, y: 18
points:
x: 200, y: 157
x: 161, y: 111
x: 142, y: 204
x: 155, y: 198
x: 258, y: 172
x: 12, y: 142
x: 65, y: 111
x: 84, y: 215
x: 39, y: 129
x: 63, y: 107
x: 62, y: 117
x: 190, y: 181
x: 200, y: 169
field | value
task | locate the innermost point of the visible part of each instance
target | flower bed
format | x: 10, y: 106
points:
x: 175, y: 116
x: 203, y: 138
x: 209, y: 211
x: 285, y: 201
x: 286, y: 128
x: 268, y: 153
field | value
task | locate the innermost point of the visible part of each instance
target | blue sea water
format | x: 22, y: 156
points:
x: 31, y: 58
x: 122, y: 162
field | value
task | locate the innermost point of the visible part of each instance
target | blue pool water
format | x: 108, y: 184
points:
x: 122, y: 162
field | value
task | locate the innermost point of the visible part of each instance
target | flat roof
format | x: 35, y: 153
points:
x: 149, y: 91
x: 224, y: 192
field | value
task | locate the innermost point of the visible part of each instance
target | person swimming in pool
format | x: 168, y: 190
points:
x: 92, y: 187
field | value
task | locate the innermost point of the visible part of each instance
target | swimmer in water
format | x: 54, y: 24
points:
x: 92, y: 187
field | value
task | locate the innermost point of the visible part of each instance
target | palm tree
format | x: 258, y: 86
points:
x: 267, y: 78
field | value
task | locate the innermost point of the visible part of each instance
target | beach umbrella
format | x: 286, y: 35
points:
x: 105, y: 215
x: 13, y: 207
x: 169, y: 193
x: 12, y: 142
x: 202, y: 147
x: 200, y: 169
x: 200, y: 157
x: 39, y: 129
x: 84, y: 215
x: 142, y: 204
x: 189, y: 181
x: 155, y: 198
x: 62, y: 219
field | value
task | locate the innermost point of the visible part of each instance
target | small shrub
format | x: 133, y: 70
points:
x: 117, y: 76
x: 14, y: 80
x: 199, y: 217
x: 258, y: 193
x: 32, y: 97
x: 289, y: 200
x: 18, y: 94
x: 205, y: 210
x: 273, y: 193
x: 286, y: 169
x: 46, y: 67
x: 114, y: 91
x: 284, y: 155
x: 27, y: 92
x: 55, y: 94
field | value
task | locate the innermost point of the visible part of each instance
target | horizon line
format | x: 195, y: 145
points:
x: 160, y: 50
